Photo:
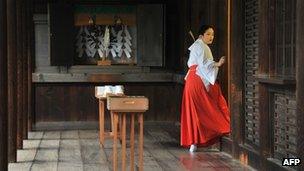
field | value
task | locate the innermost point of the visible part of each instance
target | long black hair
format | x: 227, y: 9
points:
x: 203, y: 29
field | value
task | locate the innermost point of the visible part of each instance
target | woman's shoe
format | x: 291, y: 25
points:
x: 193, y: 148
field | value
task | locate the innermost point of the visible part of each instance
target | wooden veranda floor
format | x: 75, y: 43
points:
x: 75, y: 150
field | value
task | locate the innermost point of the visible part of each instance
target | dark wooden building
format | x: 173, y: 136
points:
x: 47, y: 78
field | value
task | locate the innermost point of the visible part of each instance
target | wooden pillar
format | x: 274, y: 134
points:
x: 300, y: 80
x: 12, y: 75
x: 236, y: 75
x: 19, y: 74
x: 184, y: 38
x: 24, y: 69
x: 264, y: 50
x: 3, y: 88
x: 30, y: 55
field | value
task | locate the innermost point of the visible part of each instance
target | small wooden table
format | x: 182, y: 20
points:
x: 122, y: 107
x: 102, y: 133
x: 101, y: 93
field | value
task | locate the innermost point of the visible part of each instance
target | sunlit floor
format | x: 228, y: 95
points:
x: 79, y: 150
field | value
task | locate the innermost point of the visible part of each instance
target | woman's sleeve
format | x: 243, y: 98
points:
x: 195, y: 52
x: 206, y: 69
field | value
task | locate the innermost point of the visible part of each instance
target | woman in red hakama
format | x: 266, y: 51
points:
x: 205, y: 115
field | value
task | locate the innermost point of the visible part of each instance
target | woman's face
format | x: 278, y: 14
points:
x: 208, y: 36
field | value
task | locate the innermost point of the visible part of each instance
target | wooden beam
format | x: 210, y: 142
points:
x: 228, y: 73
x: 300, y: 79
x: 265, y: 137
x: 263, y: 30
x: 263, y: 55
x: 265, y: 79
x: 102, y: 78
x: 12, y: 82
x: 3, y: 88
x: 24, y: 69
x: 19, y: 74
x: 271, y: 38
x: 236, y: 75
x: 184, y: 38
x: 30, y: 61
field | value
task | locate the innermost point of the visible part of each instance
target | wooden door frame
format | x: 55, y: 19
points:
x: 235, y: 81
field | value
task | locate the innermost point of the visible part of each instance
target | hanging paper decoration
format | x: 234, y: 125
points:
x: 104, y: 41
x: 81, y: 40
x: 121, y: 44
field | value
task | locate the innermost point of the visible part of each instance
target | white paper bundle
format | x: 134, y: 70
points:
x: 106, y: 38
x: 103, y: 91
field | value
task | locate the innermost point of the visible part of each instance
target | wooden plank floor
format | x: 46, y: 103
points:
x: 75, y: 150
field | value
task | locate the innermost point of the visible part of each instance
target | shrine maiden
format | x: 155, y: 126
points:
x: 205, y: 115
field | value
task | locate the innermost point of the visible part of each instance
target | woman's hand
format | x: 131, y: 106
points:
x: 220, y: 62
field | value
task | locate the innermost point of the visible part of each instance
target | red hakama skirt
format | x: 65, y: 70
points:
x: 205, y: 116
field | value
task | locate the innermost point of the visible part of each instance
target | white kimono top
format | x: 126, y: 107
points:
x: 201, y: 55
